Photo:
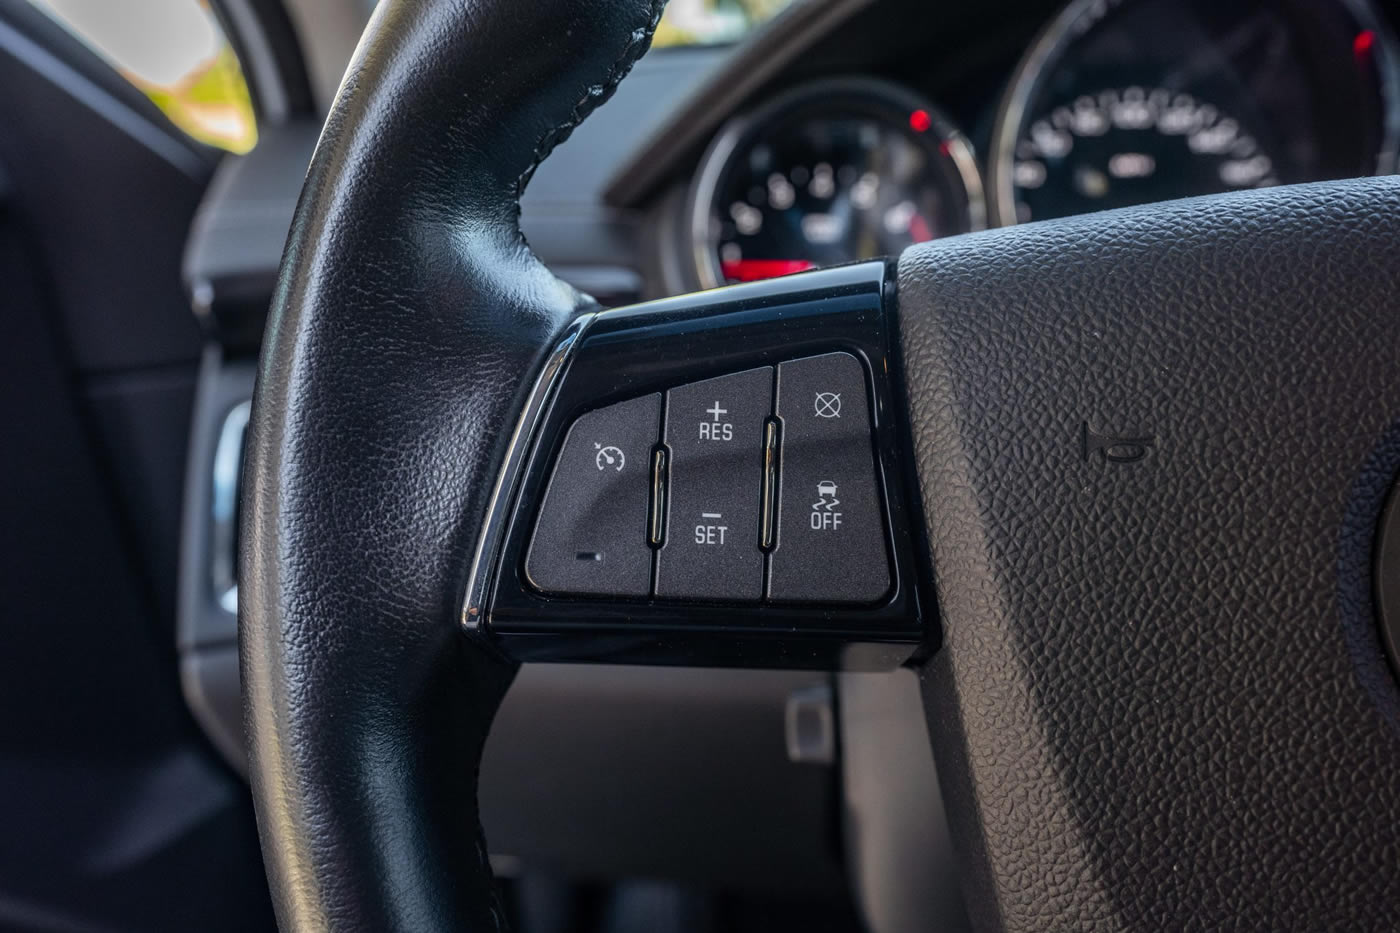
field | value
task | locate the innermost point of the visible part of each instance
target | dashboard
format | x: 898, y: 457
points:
x: 869, y: 141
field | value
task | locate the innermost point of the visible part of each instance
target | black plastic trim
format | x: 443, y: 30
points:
x: 629, y: 352
x: 1388, y: 577
x: 271, y: 59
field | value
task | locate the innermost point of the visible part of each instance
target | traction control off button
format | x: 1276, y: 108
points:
x: 831, y: 541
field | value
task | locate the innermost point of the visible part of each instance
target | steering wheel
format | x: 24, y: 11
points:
x: 1153, y: 449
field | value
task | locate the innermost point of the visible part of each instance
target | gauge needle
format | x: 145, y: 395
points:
x: 751, y: 270
x: 919, y: 230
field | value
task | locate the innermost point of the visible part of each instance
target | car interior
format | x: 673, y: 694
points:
x: 594, y: 466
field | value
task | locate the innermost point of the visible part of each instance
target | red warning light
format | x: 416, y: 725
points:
x: 751, y: 270
x: 1363, y: 43
x: 920, y: 121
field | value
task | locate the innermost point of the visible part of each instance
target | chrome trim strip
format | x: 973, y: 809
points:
x: 228, y: 468
x: 475, y: 609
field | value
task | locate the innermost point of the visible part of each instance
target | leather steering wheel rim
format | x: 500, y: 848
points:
x: 408, y: 313
x: 1160, y: 697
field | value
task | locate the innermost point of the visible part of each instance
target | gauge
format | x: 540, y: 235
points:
x: 1125, y: 102
x: 830, y: 172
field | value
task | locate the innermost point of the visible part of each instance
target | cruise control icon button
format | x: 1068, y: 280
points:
x: 610, y: 456
x: 592, y: 534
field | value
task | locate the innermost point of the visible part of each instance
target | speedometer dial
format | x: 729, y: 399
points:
x: 832, y: 172
x: 1116, y: 148
x: 1131, y: 101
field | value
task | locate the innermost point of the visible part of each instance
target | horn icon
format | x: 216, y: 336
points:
x: 1116, y: 448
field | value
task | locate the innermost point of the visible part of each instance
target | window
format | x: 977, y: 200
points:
x: 175, y: 52
x: 711, y: 22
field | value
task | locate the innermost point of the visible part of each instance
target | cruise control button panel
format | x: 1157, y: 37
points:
x: 714, y: 431
x: 830, y: 542
x: 753, y: 487
x: 719, y: 479
x: 591, y: 538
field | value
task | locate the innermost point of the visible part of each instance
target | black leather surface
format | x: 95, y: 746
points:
x: 409, y: 318
x: 1162, y: 703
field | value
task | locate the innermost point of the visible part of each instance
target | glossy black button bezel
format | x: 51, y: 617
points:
x: 624, y: 353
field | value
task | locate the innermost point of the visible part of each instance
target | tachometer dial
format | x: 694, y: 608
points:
x: 1126, y: 102
x: 829, y: 173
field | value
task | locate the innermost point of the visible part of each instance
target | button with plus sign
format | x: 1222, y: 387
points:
x: 715, y: 431
x: 712, y: 428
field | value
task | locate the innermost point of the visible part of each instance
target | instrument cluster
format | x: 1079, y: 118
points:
x: 1115, y: 103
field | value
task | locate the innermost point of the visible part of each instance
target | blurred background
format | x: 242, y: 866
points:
x: 176, y: 53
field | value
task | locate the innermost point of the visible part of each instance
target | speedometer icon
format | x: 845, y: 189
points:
x: 610, y: 458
